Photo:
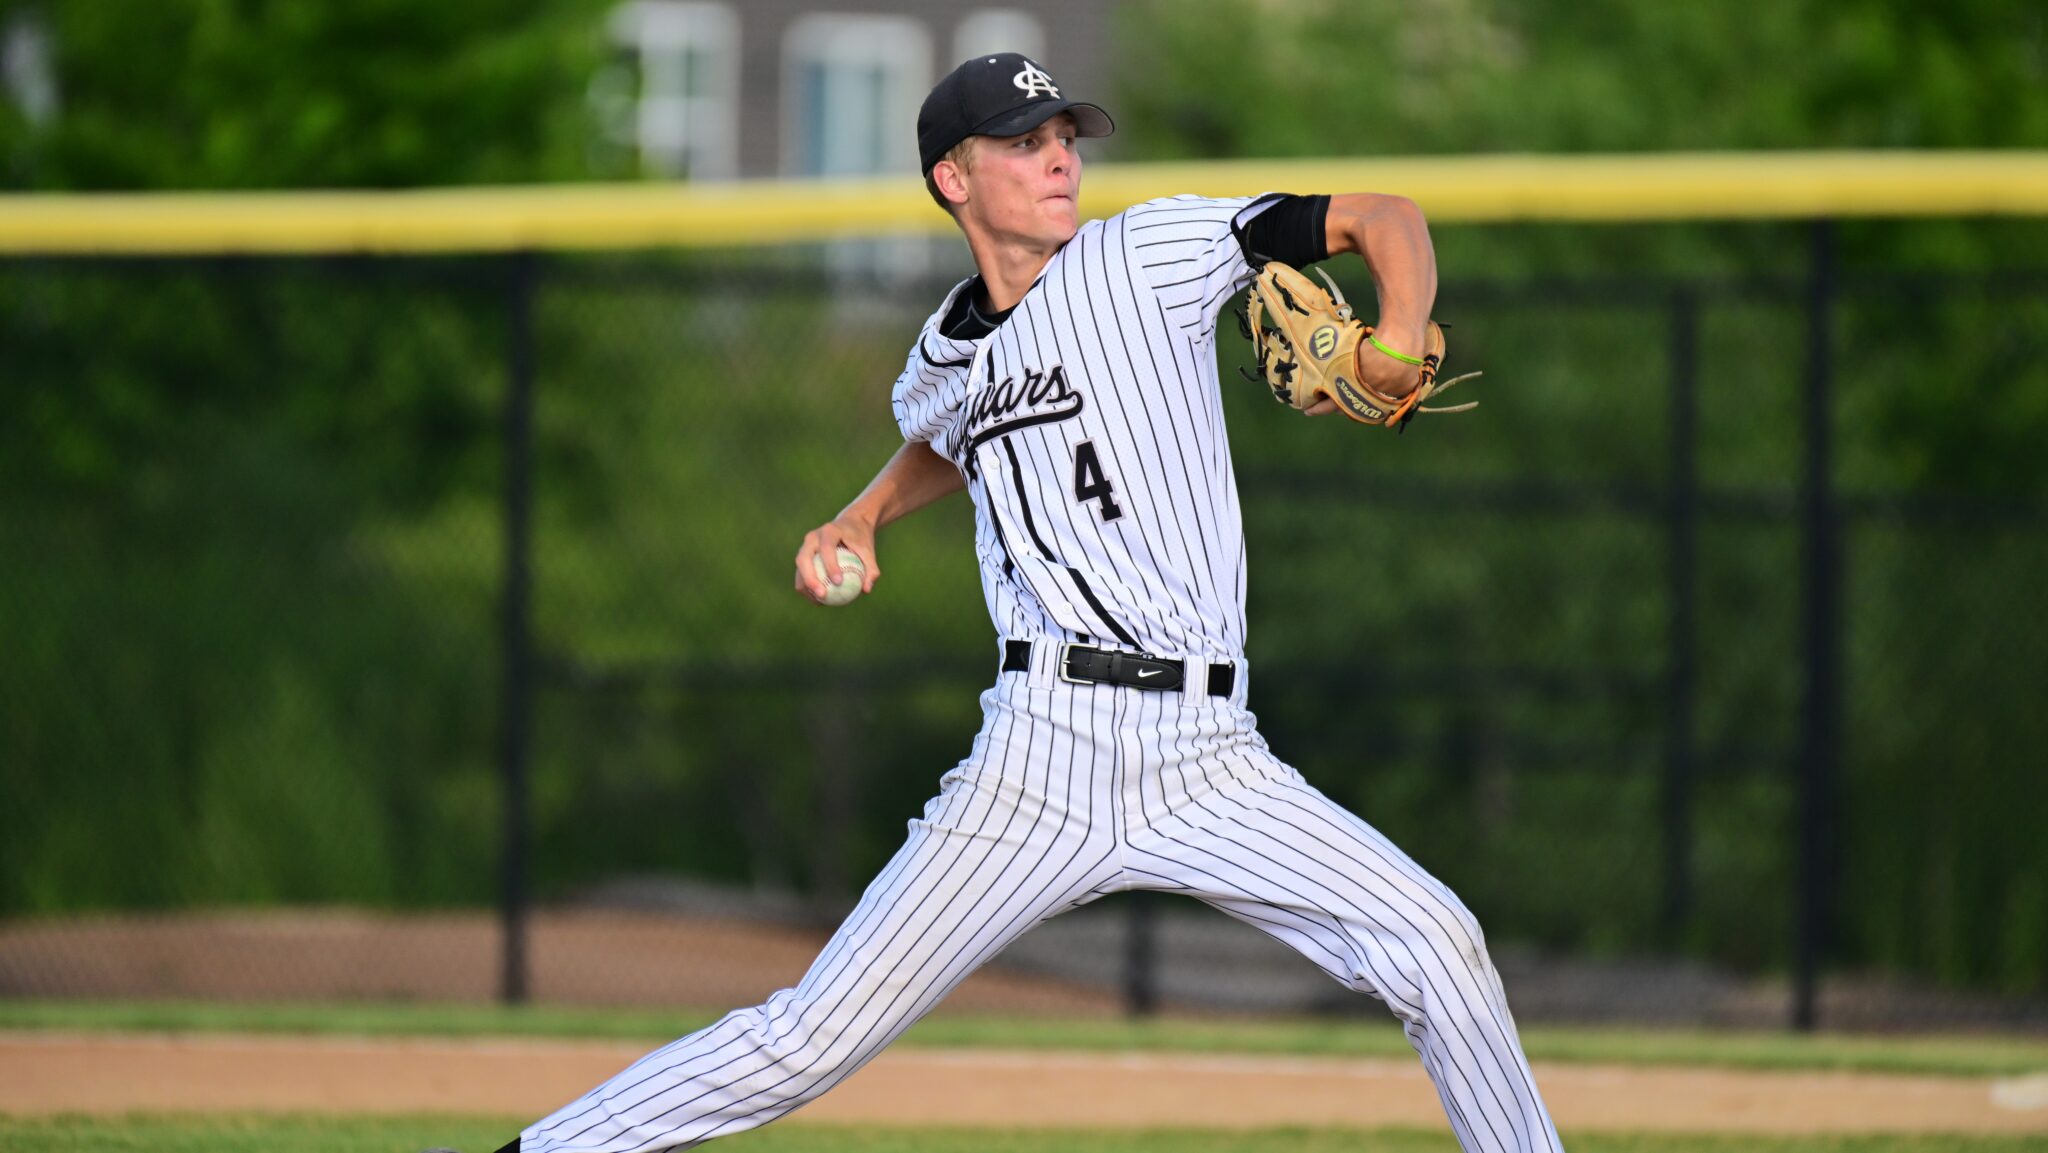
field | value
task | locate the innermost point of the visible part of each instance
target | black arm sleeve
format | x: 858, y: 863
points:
x: 1289, y: 230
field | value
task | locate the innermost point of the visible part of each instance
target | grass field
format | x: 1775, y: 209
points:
x: 304, y: 1134
x: 1940, y: 1056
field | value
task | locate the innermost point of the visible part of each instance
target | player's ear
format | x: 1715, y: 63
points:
x: 950, y: 181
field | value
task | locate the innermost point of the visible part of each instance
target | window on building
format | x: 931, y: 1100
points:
x: 25, y: 71
x: 851, y: 89
x: 998, y: 30
x: 671, y: 92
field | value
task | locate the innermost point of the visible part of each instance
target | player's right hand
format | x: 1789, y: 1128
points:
x: 848, y: 530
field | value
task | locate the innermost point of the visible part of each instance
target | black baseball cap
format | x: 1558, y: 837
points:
x: 1000, y: 95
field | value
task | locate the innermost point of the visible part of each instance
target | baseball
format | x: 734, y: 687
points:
x: 851, y: 573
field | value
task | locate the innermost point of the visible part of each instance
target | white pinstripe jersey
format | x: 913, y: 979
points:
x: 1089, y: 426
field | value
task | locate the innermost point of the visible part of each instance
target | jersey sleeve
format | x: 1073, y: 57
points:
x: 928, y: 393
x: 1191, y: 250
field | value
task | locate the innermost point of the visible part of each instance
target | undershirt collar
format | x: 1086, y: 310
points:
x: 966, y: 320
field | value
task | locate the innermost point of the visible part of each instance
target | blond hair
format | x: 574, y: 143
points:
x: 962, y: 157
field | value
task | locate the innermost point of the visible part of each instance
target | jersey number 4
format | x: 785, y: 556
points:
x: 1090, y: 484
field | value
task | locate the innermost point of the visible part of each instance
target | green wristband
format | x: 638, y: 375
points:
x: 1415, y: 360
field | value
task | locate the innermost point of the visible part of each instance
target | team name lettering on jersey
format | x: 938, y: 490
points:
x: 1013, y: 403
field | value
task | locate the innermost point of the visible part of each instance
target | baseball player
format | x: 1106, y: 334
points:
x: 1070, y: 387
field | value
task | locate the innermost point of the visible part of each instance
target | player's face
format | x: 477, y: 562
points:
x: 1027, y: 188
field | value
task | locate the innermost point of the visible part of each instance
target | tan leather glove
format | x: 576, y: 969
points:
x: 1311, y: 349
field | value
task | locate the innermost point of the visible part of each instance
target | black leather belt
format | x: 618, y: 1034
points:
x: 1088, y: 665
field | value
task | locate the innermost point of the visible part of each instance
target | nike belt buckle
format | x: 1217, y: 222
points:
x: 1063, y: 663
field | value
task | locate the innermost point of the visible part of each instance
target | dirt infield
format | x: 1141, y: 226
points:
x: 627, y: 958
x: 47, y: 1073
x: 576, y: 958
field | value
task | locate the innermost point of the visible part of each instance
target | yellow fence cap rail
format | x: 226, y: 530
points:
x: 1666, y: 186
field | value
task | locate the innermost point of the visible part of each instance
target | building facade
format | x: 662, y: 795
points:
x: 733, y: 89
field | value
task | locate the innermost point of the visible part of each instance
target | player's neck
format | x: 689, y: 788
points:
x: 1008, y: 268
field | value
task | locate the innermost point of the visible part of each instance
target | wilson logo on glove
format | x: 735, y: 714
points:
x: 1354, y: 402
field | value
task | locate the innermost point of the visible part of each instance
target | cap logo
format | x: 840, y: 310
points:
x: 1035, y: 83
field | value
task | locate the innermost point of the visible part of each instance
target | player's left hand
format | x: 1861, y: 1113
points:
x: 1387, y: 375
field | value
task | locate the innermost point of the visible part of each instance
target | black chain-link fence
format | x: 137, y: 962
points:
x: 309, y: 566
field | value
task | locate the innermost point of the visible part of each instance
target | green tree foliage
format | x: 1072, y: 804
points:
x: 1354, y: 77
x: 267, y: 94
x: 237, y: 94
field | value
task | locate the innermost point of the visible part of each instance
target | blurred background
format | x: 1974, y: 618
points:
x: 419, y: 627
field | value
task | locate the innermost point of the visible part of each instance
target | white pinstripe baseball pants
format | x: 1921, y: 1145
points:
x: 1071, y: 793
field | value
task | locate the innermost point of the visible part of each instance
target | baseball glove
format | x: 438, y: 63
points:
x: 1312, y: 348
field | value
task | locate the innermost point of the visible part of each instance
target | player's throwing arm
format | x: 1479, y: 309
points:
x: 915, y: 477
